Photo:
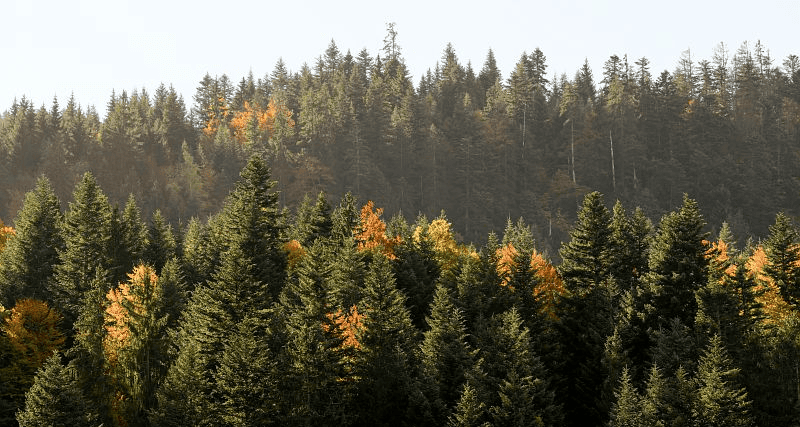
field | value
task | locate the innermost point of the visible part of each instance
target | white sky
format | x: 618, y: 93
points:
x: 89, y: 47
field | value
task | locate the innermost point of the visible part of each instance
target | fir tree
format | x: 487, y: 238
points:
x: 161, y: 243
x: 446, y: 355
x: 246, y: 379
x: 719, y: 400
x: 87, y: 235
x: 385, y: 352
x: 56, y: 398
x: 469, y: 411
x: 627, y: 410
x: 27, y: 262
x: 783, y: 256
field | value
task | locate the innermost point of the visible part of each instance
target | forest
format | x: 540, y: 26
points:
x: 337, y: 246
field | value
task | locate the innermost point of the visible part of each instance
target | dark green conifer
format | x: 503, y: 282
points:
x: 161, y: 242
x: 627, y: 410
x: 87, y: 238
x: 719, y: 401
x: 470, y: 411
x: 783, y: 256
x: 446, y: 355
x: 55, y: 399
x: 27, y: 262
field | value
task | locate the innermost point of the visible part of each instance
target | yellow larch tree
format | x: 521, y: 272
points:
x: 370, y: 234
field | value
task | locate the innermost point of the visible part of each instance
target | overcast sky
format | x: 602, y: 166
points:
x: 89, y: 47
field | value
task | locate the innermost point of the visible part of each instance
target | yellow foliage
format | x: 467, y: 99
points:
x: 142, y: 281
x: 349, y: 326
x: 294, y: 251
x: 5, y: 234
x: 718, y: 252
x: 506, y: 260
x: 32, y: 329
x: 775, y: 307
x: 371, y: 233
x: 440, y: 234
x: 550, y: 286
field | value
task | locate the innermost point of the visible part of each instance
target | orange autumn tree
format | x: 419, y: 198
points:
x: 5, y: 234
x: 550, y: 287
x: 370, y: 235
x: 349, y: 325
x: 216, y: 114
x: 135, y: 342
x: 32, y: 329
x: 775, y: 307
x: 294, y: 253
x: 440, y: 234
x: 260, y: 120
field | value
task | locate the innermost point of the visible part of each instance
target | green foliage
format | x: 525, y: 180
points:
x: 720, y: 400
x: 56, y: 398
x: 28, y: 260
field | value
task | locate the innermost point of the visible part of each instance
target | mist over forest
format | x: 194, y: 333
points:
x: 350, y: 245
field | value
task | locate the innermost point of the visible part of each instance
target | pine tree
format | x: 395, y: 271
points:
x: 719, y: 400
x: 133, y: 238
x: 181, y: 401
x: 56, y: 398
x: 87, y: 235
x: 27, y: 262
x: 586, y: 257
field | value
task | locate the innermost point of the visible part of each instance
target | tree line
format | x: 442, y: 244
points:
x: 482, y: 146
x: 337, y: 316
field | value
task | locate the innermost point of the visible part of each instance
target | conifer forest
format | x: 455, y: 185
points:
x: 345, y: 246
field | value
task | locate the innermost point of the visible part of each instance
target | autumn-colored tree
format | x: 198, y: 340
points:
x: 135, y: 344
x: 440, y: 233
x: 549, y: 287
x: 775, y: 308
x: 33, y: 329
x: 371, y: 233
x: 5, y: 233
x: 294, y: 253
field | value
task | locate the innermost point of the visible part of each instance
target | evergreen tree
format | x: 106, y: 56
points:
x: 678, y: 264
x: 385, y: 361
x: 56, y: 398
x: 87, y: 238
x: 315, y: 384
x: 161, y: 243
x: 27, y: 261
x: 719, y: 400
x: 180, y: 400
x: 783, y: 255
x: 469, y: 411
x: 446, y: 355
x: 133, y: 239
x: 246, y: 379
x: 627, y: 410
x: 585, y: 259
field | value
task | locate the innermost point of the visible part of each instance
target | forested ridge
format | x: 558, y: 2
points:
x: 338, y: 246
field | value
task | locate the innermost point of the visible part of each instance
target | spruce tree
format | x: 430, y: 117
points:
x: 385, y: 361
x: 585, y: 259
x: 446, y: 355
x: 719, y: 401
x: 27, y: 262
x: 470, y: 411
x: 181, y: 400
x: 246, y: 378
x: 161, y: 242
x: 783, y: 256
x: 56, y: 399
x: 87, y: 238
x: 132, y: 239
x: 678, y: 264
x: 315, y: 384
x: 627, y: 410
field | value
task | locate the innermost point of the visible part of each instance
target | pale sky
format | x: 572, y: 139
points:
x: 89, y: 47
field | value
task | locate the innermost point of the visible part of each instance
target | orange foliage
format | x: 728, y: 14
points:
x: 5, y: 233
x: 265, y: 119
x: 371, y: 234
x: 775, y: 307
x: 550, y: 286
x: 117, y: 315
x: 506, y: 260
x: 294, y: 251
x: 440, y: 234
x: 213, y: 119
x: 718, y: 252
x: 32, y: 329
x: 349, y: 325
